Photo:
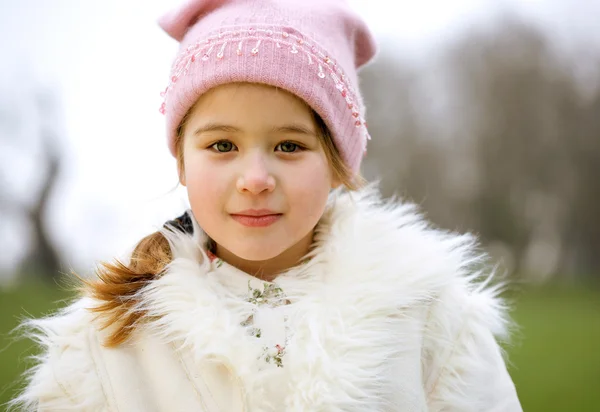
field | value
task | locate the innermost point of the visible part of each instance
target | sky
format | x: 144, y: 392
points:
x: 109, y: 60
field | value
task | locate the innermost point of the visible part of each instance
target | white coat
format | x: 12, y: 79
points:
x: 388, y: 315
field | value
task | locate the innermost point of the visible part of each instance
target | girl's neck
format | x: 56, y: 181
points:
x: 268, y: 270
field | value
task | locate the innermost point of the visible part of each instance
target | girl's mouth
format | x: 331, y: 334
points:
x: 256, y: 218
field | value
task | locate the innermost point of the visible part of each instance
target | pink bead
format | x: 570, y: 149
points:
x: 344, y: 93
x: 358, y: 123
x: 355, y: 114
x: 174, y: 79
x: 193, y: 58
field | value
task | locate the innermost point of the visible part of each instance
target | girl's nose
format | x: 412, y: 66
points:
x: 255, y: 178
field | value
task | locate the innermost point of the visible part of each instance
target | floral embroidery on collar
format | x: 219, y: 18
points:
x: 272, y: 296
x: 214, y: 259
x: 274, y: 355
x: 268, y: 295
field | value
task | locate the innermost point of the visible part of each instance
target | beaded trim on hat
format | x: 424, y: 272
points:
x: 325, y: 67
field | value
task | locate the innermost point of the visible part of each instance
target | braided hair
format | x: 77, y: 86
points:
x: 118, y: 284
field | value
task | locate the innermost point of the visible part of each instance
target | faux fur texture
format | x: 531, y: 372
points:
x: 65, y: 377
x: 388, y: 315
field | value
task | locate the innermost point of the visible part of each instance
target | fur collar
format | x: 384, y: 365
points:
x: 373, y: 263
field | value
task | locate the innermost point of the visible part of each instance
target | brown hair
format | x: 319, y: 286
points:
x: 117, y: 284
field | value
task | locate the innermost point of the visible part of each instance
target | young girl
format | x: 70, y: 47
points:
x: 284, y: 288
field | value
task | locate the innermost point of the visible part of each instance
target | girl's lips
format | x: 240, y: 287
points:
x: 257, y: 221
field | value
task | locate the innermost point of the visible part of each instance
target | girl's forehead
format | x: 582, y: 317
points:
x: 247, y: 102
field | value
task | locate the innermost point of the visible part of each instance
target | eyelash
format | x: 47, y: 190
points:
x: 298, y: 147
x: 214, y: 146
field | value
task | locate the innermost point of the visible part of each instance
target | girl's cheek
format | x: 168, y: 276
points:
x: 202, y: 176
x: 206, y: 179
x: 314, y: 173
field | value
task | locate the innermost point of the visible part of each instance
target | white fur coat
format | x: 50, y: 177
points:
x: 394, y: 318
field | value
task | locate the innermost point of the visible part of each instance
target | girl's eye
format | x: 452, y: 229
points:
x: 287, y: 147
x: 223, y: 146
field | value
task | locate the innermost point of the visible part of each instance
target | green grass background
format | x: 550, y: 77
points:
x: 554, y: 357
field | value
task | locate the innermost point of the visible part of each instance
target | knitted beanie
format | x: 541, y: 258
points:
x: 311, y: 48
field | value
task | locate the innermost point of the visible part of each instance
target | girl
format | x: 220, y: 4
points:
x: 283, y: 288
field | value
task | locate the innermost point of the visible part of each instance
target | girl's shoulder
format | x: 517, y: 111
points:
x: 393, y: 239
x: 65, y: 375
x: 65, y: 332
x: 388, y: 248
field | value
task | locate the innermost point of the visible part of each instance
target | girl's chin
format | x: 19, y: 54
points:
x: 256, y: 254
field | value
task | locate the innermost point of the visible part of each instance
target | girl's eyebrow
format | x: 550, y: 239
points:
x: 293, y: 128
x: 215, y: 127
x: 288, y: 128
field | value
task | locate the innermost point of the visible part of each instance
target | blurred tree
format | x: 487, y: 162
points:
x: 514, y: 154
x: 400, y: 157
x: 43, y: 259
x: 537, y: 148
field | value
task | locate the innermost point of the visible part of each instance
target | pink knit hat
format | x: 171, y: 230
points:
x: 310, y: 48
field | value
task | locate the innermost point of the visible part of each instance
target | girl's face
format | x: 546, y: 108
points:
x: 256, y: 174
